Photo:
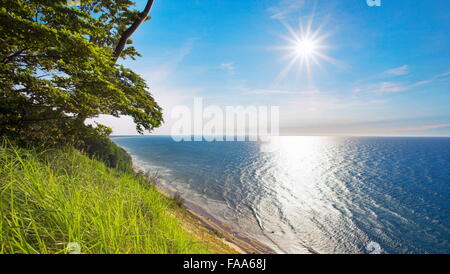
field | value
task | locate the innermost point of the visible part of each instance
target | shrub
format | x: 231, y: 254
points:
x: 105, y: 150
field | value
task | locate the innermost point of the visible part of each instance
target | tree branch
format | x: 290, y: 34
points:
x: 127, y: 34
x: 13, y: 56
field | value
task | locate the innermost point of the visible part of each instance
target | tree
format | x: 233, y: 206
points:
x: 58, y: 68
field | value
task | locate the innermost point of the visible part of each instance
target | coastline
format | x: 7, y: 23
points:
x: 234, y: 239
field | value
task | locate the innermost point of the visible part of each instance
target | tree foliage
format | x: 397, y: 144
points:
x: 57, y: 68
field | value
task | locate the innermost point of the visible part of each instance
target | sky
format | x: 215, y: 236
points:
x: 373, y: 70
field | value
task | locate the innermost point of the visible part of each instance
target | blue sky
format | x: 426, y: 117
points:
x: 388, y: 71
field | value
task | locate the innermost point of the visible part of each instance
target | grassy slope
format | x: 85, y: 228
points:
x: 49, y: 199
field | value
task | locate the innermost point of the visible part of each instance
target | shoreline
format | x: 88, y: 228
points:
x: 238, y: 241
x: 243, y: 243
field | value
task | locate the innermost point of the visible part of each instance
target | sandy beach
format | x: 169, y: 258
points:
x: 236, y: 240
x: 241, y: 242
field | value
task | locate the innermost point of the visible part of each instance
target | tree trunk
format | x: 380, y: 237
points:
x: 127, y: 34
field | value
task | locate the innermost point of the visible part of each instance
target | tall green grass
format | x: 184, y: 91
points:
x: 52, y: 198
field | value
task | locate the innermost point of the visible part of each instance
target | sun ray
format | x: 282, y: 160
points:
x: 305, y: 47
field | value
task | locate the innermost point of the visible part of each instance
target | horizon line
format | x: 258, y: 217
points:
x: 168, y: 135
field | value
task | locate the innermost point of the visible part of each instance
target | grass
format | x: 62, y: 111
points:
x: 51, y: 199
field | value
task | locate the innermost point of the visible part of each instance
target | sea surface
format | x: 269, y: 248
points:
x: 314, y: 194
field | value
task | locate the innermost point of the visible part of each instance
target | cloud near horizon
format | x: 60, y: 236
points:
x: 423, y: 128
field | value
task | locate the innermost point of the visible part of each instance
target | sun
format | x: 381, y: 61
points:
x: 306, y: 47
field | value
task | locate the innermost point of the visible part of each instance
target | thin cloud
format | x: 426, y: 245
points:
x: 391, y: 87
x: 285, y: 92
x: 403, y: 70
x: 230, y: 67
x: 443, y: 75
x: 163, y: 71
x: 395, y: 87
x: 284, y: 8
x: 426, y: 127
x: 379, y: 101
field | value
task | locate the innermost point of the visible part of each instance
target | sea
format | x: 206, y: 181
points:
x: 311, y: 194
